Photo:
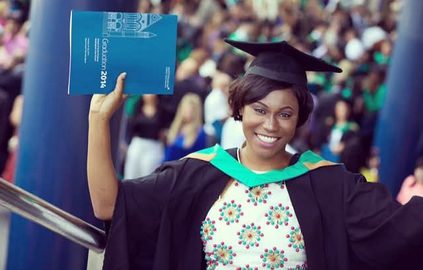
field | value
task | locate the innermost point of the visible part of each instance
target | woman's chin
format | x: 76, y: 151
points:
x: 268, y: 152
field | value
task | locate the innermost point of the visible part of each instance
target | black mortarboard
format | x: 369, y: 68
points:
x: 281, y: 62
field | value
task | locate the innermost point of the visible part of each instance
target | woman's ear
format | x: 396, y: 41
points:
x: 238, y: 116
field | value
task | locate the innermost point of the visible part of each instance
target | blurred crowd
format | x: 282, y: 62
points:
x: 14, y: 41
x: 357, y: 35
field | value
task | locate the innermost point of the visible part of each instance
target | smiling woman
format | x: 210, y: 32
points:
x: 255, y: 207
x: 269, y: 124
x: 270, y: 111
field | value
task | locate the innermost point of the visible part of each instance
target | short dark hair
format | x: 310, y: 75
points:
x: 251, y: 88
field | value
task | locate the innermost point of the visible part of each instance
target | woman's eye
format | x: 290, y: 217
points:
x: 285, y: 115
x: 260, y: 111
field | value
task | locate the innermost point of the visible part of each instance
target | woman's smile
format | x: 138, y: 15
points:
x: 267, y: 140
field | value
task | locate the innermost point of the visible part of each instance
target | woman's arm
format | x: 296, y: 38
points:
x: 102, y: 182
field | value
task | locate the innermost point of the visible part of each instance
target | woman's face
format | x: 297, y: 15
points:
x: 149, y: 98
x: 270, y: 123
x: 342, y: 110
x: 188, y: 112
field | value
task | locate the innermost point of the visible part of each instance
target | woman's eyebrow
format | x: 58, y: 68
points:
x: 280, y: 109
x: 261, y: 103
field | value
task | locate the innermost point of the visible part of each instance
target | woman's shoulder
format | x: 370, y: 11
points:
x: 174, y: 177
x: 184, y: 164
x: 167, y: 169
x: 321, y: 169
x: 336, y: 170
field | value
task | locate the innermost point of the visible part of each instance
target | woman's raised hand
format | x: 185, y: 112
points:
x: 104, y: 106
x: 101, y: 174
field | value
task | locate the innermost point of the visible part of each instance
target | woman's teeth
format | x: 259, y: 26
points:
x: 266, y: 139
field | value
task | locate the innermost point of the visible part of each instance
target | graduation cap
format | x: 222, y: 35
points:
x: 281, y: 62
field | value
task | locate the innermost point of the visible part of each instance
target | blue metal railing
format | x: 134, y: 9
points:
x: 39, y: 211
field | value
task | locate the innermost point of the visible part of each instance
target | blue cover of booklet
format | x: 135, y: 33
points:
x: 104, y: 44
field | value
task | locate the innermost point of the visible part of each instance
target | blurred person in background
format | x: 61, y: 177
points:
x: 216, y: 108
x: 371, y: 169
x: 186, y: 133
x: 13, y: 49
x: 145, y: 151
x: 342, y: 129
x: 13, y: 145
x: 187, y: 80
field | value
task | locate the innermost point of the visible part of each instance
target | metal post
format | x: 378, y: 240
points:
x: 53, y: 138
x: 400, y: 124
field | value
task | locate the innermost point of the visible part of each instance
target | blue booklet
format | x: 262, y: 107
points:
x: 104, y: 44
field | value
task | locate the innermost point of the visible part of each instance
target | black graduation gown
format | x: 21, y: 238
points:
x: 346, y: 222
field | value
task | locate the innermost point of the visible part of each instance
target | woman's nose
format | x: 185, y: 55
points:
x: 270, y: 123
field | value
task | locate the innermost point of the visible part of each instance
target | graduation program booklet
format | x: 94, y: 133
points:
x: 104, y: 44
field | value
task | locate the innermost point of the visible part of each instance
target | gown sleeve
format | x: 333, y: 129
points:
x: 382, y: 233
x: 136, y: 222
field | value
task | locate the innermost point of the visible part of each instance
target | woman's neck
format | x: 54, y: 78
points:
x: 257, y: 163
x: 341, y: 121
x: 149, y: 110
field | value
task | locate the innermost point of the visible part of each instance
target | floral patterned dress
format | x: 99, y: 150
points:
x: 253, y: 228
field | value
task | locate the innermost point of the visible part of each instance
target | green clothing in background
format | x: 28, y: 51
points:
x: 374, y: 101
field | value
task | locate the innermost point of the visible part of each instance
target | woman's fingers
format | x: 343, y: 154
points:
x: 120, y: 84
x: 106, y: 105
